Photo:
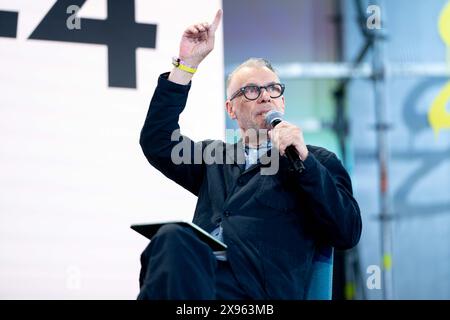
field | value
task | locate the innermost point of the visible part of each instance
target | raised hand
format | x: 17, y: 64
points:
x: 198, y: 41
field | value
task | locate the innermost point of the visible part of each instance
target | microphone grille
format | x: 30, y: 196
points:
x: 273, y: 115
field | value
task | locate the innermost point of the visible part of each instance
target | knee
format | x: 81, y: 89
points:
x: 167, y: 234
x: 173, y: 234
x: 171, y: 231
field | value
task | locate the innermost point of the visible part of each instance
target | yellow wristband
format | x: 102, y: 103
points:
x: 177, y: 62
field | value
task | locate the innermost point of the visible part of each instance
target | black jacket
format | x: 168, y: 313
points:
x: 272, y: 224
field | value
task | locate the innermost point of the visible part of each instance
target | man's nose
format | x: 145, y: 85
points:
x: 264, y: 96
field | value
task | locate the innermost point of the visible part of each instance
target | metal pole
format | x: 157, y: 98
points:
x: 351, y: 281
x: 380, y: 91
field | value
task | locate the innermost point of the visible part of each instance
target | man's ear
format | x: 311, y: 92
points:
x: 282, y: 104
x: 230, y: 109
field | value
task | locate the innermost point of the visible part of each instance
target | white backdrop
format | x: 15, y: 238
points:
x: 72, y: 174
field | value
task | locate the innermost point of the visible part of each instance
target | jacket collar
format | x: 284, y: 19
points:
x: 234, y: 153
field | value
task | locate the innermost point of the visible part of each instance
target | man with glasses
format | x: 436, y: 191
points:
x: 273, y: 225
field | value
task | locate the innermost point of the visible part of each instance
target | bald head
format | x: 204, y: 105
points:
x: 234, y: 78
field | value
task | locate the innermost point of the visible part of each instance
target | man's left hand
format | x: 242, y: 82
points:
x: 286, y: 134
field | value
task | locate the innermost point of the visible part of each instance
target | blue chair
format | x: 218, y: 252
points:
x: 321, y: 286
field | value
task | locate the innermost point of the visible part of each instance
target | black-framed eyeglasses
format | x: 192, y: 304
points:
x: 252, y: 92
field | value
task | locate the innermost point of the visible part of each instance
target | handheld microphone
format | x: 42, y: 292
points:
x: 273, y: 118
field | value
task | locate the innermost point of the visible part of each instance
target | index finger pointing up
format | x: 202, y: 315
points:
x: 216, y: 21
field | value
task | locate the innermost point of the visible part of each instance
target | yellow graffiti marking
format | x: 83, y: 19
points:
x: 438, y: 116
x: 387, y: 261
x: 444, y: 24
x: 349, y: 290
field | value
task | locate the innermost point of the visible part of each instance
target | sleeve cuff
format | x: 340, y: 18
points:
x: 311, y: 168
x: 165, y: 84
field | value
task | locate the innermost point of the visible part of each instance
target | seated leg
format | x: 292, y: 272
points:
x: 177, y: 265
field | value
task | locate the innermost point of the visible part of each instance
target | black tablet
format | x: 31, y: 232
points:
x: 149, y: 230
